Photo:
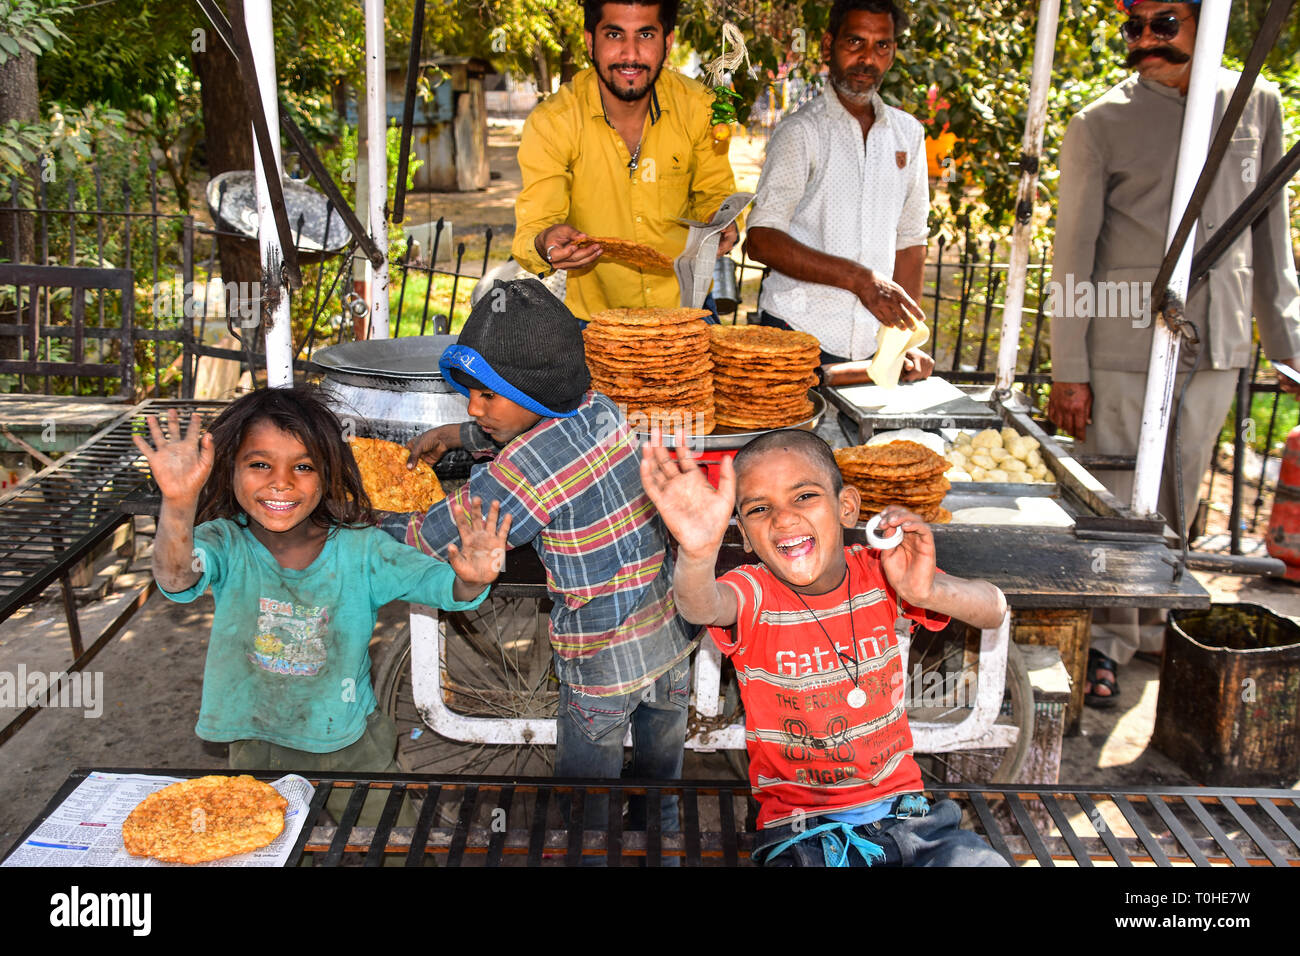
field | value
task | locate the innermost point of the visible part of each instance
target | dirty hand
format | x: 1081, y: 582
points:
x: 481, y: 555
x: 909, y: 567
x: 180, y: 464
x: 696, y: 513
x: 555, y: 245
x: 1069, y: 407
x: 432, y: 445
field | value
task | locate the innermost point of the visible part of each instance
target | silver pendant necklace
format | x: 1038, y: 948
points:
x: 857, y: 698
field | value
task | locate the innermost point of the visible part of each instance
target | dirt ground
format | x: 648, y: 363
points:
x: 151, y: 674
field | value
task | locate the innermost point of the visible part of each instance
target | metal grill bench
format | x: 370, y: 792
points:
x: 501, y: 821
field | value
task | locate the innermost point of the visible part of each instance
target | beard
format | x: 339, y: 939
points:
x: 627, y: 94
x: 1162, y: 52
x: 849, y: 84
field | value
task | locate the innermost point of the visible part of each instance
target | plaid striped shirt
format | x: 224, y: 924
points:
x: 573, y: 487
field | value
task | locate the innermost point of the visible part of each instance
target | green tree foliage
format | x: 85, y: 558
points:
x: 29, y: 25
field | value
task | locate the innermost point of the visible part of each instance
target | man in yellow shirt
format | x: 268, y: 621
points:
x: 622, y: 150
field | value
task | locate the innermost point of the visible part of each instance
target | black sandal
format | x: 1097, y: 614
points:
x: 1097, y: 661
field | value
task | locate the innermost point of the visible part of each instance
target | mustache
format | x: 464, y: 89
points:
x: 629, y: 66
x: 1164, y: 52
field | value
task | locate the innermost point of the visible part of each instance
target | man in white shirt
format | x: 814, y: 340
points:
x: 842, y: 202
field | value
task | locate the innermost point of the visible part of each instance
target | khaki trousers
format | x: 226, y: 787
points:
x: 1117, y: 399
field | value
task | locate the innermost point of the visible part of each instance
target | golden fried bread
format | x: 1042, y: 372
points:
x: 208, y: 818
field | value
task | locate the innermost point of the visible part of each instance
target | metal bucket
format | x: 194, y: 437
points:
x: 392, y: 389
x: 1229, y: 707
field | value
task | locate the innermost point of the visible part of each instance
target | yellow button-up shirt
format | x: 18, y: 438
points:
x: 575, y: 170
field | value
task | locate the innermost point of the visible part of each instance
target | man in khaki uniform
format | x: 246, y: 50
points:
x: 1117, y: 175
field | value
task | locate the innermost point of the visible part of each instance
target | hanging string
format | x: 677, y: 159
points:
x: 728, y: 62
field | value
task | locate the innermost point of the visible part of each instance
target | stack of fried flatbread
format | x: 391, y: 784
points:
x: 761, y: 375
x: 389, y: 483
x: 207, y: 818
x: 900, y: 473
x: 655, y: 364
x: 633, y: 253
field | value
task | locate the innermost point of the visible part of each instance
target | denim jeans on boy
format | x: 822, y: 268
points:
x: 589, y: 743
x: 935, y: 839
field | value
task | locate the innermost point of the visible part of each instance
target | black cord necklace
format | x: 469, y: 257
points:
x: 857, y: 697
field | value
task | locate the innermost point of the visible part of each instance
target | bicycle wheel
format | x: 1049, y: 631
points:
x: 942, y: 687
x: 496, y: 664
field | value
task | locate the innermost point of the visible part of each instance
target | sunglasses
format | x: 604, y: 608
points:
x: 1165, y: 27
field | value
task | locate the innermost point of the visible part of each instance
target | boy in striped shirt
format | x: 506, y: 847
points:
x: 563, y: 464
x: 811, y: 634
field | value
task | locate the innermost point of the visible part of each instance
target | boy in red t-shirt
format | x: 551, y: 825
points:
x: 811, y: 634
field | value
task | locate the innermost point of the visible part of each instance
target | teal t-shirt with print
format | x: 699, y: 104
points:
x: 288, y: 660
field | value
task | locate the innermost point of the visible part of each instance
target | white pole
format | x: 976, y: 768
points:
x: 377, y: 155
x: 1022, y: 236
x: 279, y: 341
x: 1198, y: 120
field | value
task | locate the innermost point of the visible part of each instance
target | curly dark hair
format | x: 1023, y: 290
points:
x: 302, y: 412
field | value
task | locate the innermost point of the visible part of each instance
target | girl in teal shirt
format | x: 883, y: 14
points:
x: 297, y: 571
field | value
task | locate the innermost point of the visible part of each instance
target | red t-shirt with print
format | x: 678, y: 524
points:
x: 809, y: 750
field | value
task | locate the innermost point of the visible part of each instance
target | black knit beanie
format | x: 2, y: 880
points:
x: 521, y: 342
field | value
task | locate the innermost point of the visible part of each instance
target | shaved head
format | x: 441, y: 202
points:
x: 796, y: 440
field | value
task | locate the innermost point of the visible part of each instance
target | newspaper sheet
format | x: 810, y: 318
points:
x: 86, y: 829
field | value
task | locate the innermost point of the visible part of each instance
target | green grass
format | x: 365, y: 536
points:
x: 1261, y: 411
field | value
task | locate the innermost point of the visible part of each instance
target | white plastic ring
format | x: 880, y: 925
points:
x: 548, y: 252
x: 876, y: 541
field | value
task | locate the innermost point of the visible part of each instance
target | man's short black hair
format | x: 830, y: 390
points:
x: 841, y: 8
x: 592, y: 9
x: 796, y: 439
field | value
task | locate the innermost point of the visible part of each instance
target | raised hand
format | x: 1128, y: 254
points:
x: 909, y: 567
x: 180, y: 464
x: 695, y: 512
x: 484, y: 540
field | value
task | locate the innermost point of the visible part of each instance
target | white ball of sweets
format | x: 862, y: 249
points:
x: 1009, y: 435
x: 1034, y: 458
x: 983, y: 460
x: 988, y: 438
x: 999, y: 454
x: 997, y: 474
x: 1013, y: 466
x: 978, y: 474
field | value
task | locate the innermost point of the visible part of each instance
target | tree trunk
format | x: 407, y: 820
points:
x: 541, y: 70
x: 228, y: 145
x: 17, y: 230
x: 568, y: 66
x: 18, y: 102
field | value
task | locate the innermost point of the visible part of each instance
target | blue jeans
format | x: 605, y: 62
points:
x: 935, y: 839
x: 589, y: 743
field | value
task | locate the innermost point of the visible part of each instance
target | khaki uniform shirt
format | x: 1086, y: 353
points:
x: 1117, y: 177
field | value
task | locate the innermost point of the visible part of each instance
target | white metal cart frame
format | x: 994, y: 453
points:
x: 976, y: 731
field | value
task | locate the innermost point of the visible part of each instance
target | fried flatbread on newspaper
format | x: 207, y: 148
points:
x: 208, y: 818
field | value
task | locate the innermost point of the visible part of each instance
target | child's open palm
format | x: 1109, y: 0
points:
x: 481, y: 555
x: 695, y: 512
x: 180, y: 465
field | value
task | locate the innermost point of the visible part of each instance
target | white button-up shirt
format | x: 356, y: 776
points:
x: 863, y: 201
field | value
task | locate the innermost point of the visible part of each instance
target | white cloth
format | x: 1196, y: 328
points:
x: 828, y: 189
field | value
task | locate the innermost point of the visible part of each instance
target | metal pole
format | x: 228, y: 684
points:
x: 377, y: 156
x: 1022, y: 235
x: 275, y: 297
x: 1198, y: 118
